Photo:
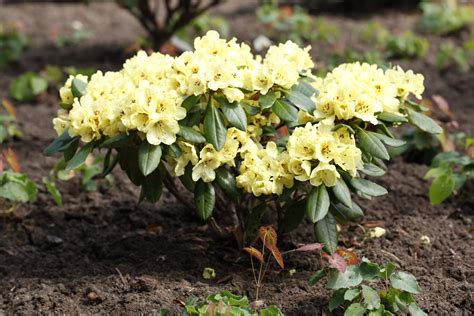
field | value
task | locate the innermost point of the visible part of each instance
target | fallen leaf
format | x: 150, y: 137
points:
x: 311, y: 247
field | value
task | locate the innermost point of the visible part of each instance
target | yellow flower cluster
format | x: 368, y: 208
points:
x: 361, y: 91
x: 146, y: 95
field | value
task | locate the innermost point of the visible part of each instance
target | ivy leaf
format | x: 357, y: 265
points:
x: 78, y: 88
x: 191, y: 135
x: 339, y: 280
x: 342, y: 193
x: 351, y: 294
x: 266, y: 101
x: 214, y: 128
x: 372, y: 145
x: 415, y: 310
x: 317, y: 276
x: 300, y: 100
x: 355, y: 309
x: 318, y: 204
x: 405, y: 281
x: 337, y: 299
x: 424, y: 122
x: 80, y: 157
x: 371, y: 297
x: 326, y: 233
x: 205, y: 199
x: 285, y: 111
x: 149, y: 157
x: 441, y: 188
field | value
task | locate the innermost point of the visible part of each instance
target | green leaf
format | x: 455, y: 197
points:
x: 38, y: 84
x: 355, y: 309
x: 342, y: 193
x: 14, y: 191
x: 351, y: 294
x: 249, y: 109
x: 339, y: 280
x: 152, y: 187
x: 337, y: 299
x: 117, y: 141
x: 204, y: 197
x: 305, y: 88
x: 318, y: 204
x: 71, y: 150
x: 371, y: 297
x: 415, y: 310
x: 317, y: 276
x: 441, y: 188
x: 80, y: 157
x: 326, y: 233
x: 389, y: 141
x: 235, y: 114
x: 367, y: 187
x: 191, y: 135
x: 59, y: 144
x: 266, y: 101
x: 301, y: 101
x: 53, y: 190
x: 78, y: 88
x: 424, y: 122
x: 149, y: 157
x: 391, y: 117
x: 369, y: 271
x: 373, y: 170
x: 190, y: 102
x: 285, y: 111
x: 344, y: 213
x: 226, y: 181
x: 187, y: 179
x: 293, y: 216
x: 387, y: 270
x: 372, y: 145
x: 214, y: 128
x: 405, y: 281
x: 128, y: 160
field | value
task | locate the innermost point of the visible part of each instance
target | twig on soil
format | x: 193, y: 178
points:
x: 391, y: 255
x: 121, y: 277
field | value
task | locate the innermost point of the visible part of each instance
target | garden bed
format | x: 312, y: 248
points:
x: 140, y: 258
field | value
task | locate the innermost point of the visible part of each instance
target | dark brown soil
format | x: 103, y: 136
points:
x: 139, y: 259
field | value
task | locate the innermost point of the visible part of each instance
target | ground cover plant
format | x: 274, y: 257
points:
x: 259, y: 130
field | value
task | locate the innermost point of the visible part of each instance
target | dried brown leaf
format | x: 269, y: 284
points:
x: 268, y: 236
x: 254, y: 253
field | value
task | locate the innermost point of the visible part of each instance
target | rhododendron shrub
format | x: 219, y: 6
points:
x: 245, y: 134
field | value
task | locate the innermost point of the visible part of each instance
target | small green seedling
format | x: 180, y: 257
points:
x: 28, y: 86
x: 12, y: 44
x: 8, y: 127
x: 445, y: 17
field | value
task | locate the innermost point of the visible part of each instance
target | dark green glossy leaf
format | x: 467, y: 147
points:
x: 266, y: 101
x: 391, y: 117
x: 204, y: 198
x: 318, y: 204
x: 390, y: 141
x: 301, y: 101
x: 424, y: 122
x: 80, y: 157
x: 149, y: 157
x: 337, y: 299
x: 190, y: 102
x: 226, y: 181
x: 78, y: 88
x: 60, y: 144
x: 372, y: 145
x: 326, y: 232
x: 373, y: 170
x: 235, y: 114
x: 342, y: 193
x: 152, y: 187
x: 117, y: 141
x: 214, y: 128
x: 293, y: 216
x: 191, y: 135
x: 285, y: 111
x: 367, y: 187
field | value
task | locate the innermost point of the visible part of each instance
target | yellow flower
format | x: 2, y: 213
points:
x: 324, y: 174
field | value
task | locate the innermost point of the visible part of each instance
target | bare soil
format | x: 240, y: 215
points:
x: 139, y: 259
